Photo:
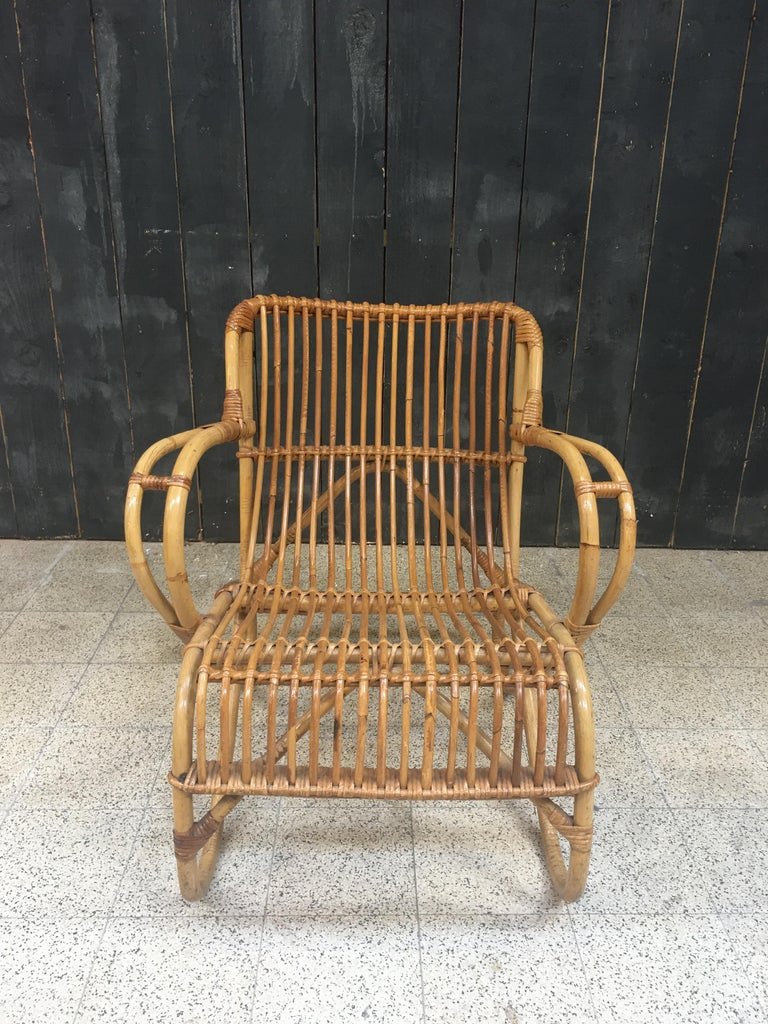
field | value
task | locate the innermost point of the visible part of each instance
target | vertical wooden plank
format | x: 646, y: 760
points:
x: 351, y: 42
x: 422, y: 90
x: 639, y: 66
x: 752, y: 508
x: 279, y: 85
x: 569, y: 42
x: 493, y: 108
x: 9, y: 526
x: 206, y: 89
x: 69, y: 155
x: 702, y: 118
x: 30, y: 384
x: 735, y: 332
x: 136, y: 112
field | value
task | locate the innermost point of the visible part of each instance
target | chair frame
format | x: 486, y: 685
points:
x: 545, y: 658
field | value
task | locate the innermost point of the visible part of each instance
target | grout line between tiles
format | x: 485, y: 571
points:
x: 110, y: 915
x: 418, y: 915
x: 672, y: 810
x: 585, y: 974
x: 266, y: 908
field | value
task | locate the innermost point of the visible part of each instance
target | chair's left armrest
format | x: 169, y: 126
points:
x: 180, y: 611
x: 586, y: 613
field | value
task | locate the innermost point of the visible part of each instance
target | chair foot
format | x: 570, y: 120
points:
x: 196, y: 843
x: 569, y: 878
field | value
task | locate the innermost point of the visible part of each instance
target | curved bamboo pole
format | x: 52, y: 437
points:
x: 176, y: 507
x: 132, y: 523
x: 585, y: 613
x: 196, y: 842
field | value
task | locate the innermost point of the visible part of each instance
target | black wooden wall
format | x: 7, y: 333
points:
x: 601, y: 161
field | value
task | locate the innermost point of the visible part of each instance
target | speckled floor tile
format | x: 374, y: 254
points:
x: 645, y: 641
x: 239, y: 886
x: 760, y: 738
x: 45, y: 966
x: 748, y: 935
x: 524, y: 969
x: 61, y: 637
x: 730, y: 850
x: 698, y: 698
x: 23, y: 566
x: 19, y: 749
x: 626, y: 779
x: 97, y: 556
x: 81, y: 591
x: 606, y: 703
x: 82, y: 767
x: 640, y: 865
x: 748, y: 572
x: 479, y: 857
x: 124, y: 695
x: 173, y: 970
x: 672, y: 970
x: 6, y: 618
x: 18, y: 587
x: 707, y: 768
x: 139, y: 639
x: 341, y: 921
x: 36, y: 694
x: 343, y: 857
x: 340, y: 970
x: 685, y: 579
x: 36, y: 555
x: 67, y: 864
x: 725, y: 638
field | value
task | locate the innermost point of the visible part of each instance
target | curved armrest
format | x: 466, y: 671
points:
x: 586, y: 613
x: 180, y: 611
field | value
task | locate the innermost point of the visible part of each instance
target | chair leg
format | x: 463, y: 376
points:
x: 568, y: 877
x: 196, y: 845
x: 196, y: 842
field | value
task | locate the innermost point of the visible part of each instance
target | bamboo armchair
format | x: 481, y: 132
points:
x: 378, y: 641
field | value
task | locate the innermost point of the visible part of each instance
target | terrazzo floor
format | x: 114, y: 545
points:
x: 336, y: 911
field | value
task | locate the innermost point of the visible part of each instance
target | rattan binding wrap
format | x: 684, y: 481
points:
x: 403, y: 658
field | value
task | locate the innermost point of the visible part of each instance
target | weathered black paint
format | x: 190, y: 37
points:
x: 490, y: 148
x: 695, y: 173
x: 736, y: 330
x: 132, y: 63
x: 206, y: 89
x: 183, y: 155
x: 422, y: 94
x: 31, y: 399
x: 351, y: 47
x: 279, y: 91
x: 65, y: 129
x: 569, y: 39
x: 638, y: 77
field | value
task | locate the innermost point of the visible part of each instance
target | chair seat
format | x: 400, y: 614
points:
x: 391, y: 693
x: 484, y: 634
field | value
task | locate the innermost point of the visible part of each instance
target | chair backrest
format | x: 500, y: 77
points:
x: 381, y: 425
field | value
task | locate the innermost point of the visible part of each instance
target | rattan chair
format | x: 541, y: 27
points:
x: 378, y: 641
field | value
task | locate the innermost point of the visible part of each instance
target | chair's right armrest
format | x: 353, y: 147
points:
x: 586, y: 612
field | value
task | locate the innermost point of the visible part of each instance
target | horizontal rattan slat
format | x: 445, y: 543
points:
x: 391, y: 790
x: 387, y: 451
